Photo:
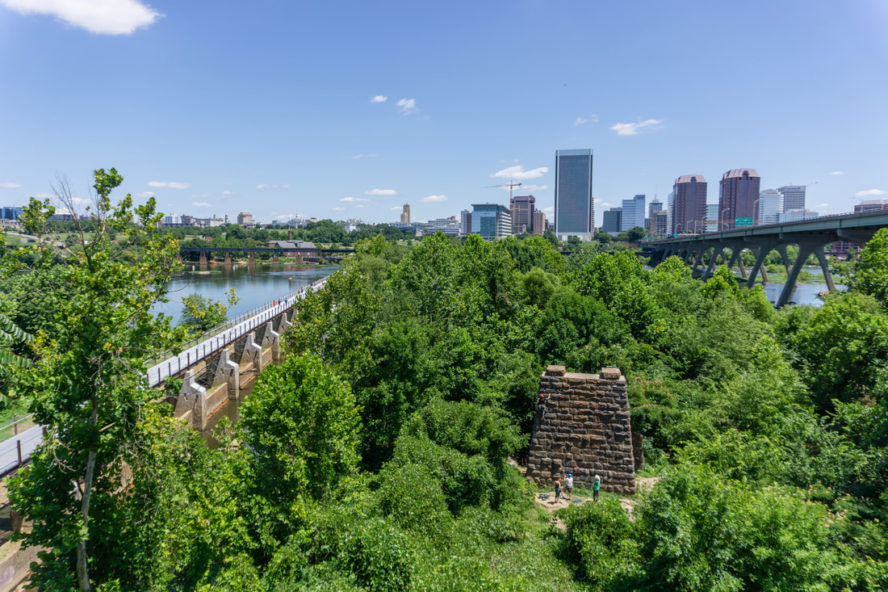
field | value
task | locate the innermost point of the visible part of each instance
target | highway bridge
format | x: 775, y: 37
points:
x: 203, y: 254
x: 811, y: 236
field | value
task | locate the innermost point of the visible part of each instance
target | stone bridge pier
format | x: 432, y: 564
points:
x: 584, y: 428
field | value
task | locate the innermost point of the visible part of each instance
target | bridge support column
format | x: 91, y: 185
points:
x: 761, y: 253
x: 824, y: 266
x: 227, y: 259
x: 203, y: 260
x: 735, y: 257
x: 275, y: 258
x: 252, y: 353
x: 715, y: 252
x: 805, y: 250
x: 227, y: 371
x: 192, y: 402
x: 783, y: 255
x: 272, y: 338
x: 251, y: 258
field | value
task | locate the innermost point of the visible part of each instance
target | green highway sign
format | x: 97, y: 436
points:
x: 742, y: 221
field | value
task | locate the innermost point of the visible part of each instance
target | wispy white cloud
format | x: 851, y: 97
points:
x: 368, y: 155
x: 169, y: 184
x: 822, y: 206
x: 433, y: 198
x: 582, y: 120
x: 10, y: 185
x: 351, y: 199
x: 379, y: 99
x: 105, y: 17
x: 549, y: 210
x: 870, y: 193
x: 607, y: 204
x: 631, y: 129
x: 361, y: 206
x: 407, y: 106
x: 262, y: 186
x: 45, y: 196
x: 837, y: 173
x: 201, y: 204
x: 144, y: 194
x: 227, y: 192
x: 518, y: 172
x: 395, y: 208
x: 338, y: 208
x: 381, y: 192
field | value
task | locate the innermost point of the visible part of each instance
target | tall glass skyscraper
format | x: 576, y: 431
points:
x: 633, y: 213
x: 793, y: 197
x: 574, y: 209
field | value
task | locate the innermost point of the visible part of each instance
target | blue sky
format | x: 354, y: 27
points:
x: 267, y: 107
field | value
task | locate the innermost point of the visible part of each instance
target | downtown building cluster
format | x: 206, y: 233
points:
x: 741, y: 202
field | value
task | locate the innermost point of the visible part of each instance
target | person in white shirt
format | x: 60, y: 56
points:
x: 569, y: 485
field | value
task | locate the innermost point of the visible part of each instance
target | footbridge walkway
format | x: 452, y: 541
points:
x: 811, y: 236
x: 213, y: 370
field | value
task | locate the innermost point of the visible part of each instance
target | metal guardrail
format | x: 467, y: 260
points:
x: 17, y: 450
x: 242, y: 325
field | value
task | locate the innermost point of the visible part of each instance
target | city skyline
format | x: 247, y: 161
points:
x: 219, y: 111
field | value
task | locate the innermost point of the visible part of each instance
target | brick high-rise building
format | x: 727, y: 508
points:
x: 523, y: 207
x: 738, y: 197
x: 540, y: 224
x: 405, y: 214
x: 688, y: 215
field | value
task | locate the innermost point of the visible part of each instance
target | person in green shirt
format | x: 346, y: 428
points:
x: 596, y: 485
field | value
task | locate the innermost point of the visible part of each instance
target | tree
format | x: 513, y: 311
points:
x: 88, y: 386
x: 871, y: 271
x: 201, y: 314
x: 302, y: 425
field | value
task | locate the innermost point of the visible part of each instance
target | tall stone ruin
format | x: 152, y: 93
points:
x: 583, y: 428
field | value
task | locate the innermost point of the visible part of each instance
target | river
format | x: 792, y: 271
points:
x: 255, y: 285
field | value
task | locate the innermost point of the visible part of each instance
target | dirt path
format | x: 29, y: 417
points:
x: 548, y: 503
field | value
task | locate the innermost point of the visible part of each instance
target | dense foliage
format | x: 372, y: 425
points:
x: 376, y: 456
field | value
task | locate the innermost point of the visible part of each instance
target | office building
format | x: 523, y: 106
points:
x: 688, y: 208
x: 770, y: 206
x: 465, y: 222
x: 793, y: 197
x: 738, y: 194
x: 659, y: 224
x: 574, y: 207
x: 245, y: 219
x: 540, y: 224
x: 871, y: 205
x: 633, y: 213
x: 796, y: 216
x: 612, y: 221
x: 449, y: 226
x: 405, y: 214
x: 654, y: 207
x: 710, y: 224
x: 10, y: 213
x: 491, y: 221
x: 523, y: 207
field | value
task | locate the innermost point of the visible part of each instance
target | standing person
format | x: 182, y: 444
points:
x: 557, y: 489
x: 596, y: 485
x: 569, y: 486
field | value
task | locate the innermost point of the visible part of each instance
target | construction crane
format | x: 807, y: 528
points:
x: 511, y: 185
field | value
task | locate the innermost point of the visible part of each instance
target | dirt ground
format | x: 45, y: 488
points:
x: 548, y: 503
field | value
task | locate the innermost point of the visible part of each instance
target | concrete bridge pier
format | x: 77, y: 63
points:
x: 203, y: 260
x: 760, y: 253
x: 192, y: 402
x: 227, y: 260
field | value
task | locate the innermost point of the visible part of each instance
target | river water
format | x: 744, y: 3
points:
x: 255, y: 285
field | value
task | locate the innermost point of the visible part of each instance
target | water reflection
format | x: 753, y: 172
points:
x: 254, y: 284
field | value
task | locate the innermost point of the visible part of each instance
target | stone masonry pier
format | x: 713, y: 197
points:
x: 583, y: 428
